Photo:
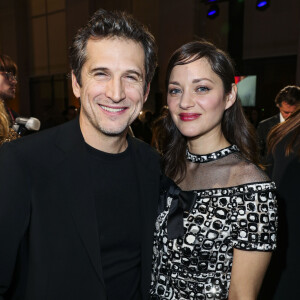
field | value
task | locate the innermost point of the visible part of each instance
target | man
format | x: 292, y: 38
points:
x: 78, y: 202
x: 287, y: 100
x: 8, y: 83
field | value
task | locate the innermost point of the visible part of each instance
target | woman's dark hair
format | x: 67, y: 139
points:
x: 290, y: 127
x: 109, y: 24
x: 235, y: 127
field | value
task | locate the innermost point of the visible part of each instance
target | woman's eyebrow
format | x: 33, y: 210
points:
x: 201, y: 79
x: 174, y: 82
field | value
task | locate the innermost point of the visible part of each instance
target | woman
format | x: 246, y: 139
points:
x: 284, y: 156
x: 217, y: 217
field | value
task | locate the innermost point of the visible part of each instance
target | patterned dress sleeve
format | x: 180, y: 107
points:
x: 254, y: 218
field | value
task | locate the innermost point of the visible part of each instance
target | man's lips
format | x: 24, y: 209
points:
x: 113, y: 110
x: 189, y: 116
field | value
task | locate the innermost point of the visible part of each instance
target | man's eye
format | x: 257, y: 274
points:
x: 132, y: 77
x: 99, y: 74
x: 174, y: 91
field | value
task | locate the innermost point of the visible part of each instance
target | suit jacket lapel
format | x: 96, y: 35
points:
x: 81, y: 200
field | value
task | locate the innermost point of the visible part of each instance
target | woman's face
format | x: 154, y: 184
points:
x: 196, y: 99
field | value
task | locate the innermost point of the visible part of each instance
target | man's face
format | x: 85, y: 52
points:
x: 286, y: 110
x: 8, y: 84
x: 112, y: 86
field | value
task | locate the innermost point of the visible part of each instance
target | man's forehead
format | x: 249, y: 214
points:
x: 286, y: 106
x: 114, y: 40
x: 118, y: 50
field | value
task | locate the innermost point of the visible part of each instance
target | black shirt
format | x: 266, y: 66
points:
x: 115, y: 189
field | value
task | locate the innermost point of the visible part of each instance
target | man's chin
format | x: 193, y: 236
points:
x: 114, y: 132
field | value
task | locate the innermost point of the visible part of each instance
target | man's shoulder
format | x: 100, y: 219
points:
x: 42, y: 136
x: 37, y: 143
x: 144, y: 151
x: 269, y: 122
x: 141, y: 145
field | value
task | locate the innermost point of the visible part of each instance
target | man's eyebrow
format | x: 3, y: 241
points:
x: 129, y: 71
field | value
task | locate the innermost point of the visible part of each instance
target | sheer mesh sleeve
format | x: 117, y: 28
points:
x: 254, y: 218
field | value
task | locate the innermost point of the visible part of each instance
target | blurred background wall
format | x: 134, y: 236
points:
x: 37, y: 34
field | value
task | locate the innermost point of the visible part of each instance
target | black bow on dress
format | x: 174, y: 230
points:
x: 181, y: 201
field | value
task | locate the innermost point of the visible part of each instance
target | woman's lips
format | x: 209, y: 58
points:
x: 189, y: 116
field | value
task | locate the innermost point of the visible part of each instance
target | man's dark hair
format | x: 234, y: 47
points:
x: 289, y: 94
x: 106, y: 24
x: 7, y: 64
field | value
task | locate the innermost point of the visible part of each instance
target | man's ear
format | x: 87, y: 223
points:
x: 231, y: 97
x: 75, y: 86
x: 147, y: 93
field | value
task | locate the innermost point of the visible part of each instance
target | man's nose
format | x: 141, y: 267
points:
x: 288, y: 114
x: 115, y: 90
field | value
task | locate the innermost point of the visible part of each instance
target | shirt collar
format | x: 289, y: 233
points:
x: 281, y: 118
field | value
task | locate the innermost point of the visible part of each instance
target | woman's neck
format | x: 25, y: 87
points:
x: 208, y: 143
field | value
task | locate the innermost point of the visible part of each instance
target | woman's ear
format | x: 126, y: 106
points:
x: 231, y: 97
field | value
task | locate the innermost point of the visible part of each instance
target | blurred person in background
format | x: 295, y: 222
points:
x: 254, y: 116
x: 147, y: 127
x: 157, y: 129
x: 7, y: 134
x: 283, y: 145
x: 70, y: 113
x: 287, y: 101
x: 8, y: 84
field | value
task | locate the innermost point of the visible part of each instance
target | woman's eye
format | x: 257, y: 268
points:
x: 174, y: 91
x: 202, y: 89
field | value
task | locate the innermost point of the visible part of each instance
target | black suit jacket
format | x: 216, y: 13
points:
x: 281, y: 280
x: 48, y: 228
x: 263, y: 129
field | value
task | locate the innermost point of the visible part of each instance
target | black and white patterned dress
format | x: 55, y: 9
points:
x: 197, y: 229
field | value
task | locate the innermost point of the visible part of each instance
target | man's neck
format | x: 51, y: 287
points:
x: 103, y: 142
x: 109, y: 144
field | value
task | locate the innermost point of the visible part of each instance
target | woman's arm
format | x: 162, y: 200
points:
x: 248, y: 270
